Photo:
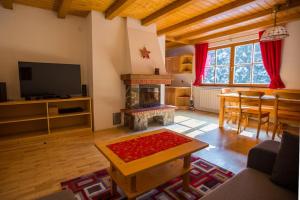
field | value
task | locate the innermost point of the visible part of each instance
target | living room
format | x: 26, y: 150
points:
x: 177, y: 76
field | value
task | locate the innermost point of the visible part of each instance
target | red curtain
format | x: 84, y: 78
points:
x: 200, y: 60
x: 271, y: 56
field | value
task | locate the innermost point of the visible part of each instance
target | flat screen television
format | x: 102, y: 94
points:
x: 49, y: 80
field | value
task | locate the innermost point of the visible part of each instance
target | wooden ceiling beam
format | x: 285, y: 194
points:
x: 171, y: 45
x: 263, y: 13
x: 165, y: 11
x: 246, y: 28
x: 64, y: 8
x: 172, y: 39
x: 8, y: 4
x: 224, y: 24
x: 211, y: 13
x: 117, y: 8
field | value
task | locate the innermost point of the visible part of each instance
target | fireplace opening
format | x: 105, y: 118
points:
x: 149, y: 96
x: 142, y: 96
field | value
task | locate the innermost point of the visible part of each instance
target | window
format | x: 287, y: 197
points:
x: 245, y: 67
x: 248, y: 66
x: 217, y: 66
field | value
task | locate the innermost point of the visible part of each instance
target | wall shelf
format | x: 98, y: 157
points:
x: 21, y: 119
x: 178, y: 96
x: 182, y: 64
x: 33, y: 118
x: 69, y: 115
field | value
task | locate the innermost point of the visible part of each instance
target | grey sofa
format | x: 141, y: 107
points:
x: 253, y: 183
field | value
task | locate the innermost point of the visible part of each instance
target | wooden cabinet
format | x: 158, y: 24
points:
x: 179, y: 64
x: 38, y: 117
x: 172, y: 64
x: 178, y: 96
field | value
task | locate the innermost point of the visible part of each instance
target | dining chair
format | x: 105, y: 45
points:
x: 286, y: 111
x: 231, y: 108
x: 250, y: 106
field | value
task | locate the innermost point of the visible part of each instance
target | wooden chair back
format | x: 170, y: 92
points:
x: 251, y: 98
x: 226, y: 90
x: 288, y: 103
x: 286, y: 110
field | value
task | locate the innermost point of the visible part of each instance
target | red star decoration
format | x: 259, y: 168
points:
x: 145, y: 53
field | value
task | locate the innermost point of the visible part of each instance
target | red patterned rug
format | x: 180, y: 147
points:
x: 204, y: 177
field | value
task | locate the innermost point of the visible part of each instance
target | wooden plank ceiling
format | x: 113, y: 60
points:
x: 182, y: 21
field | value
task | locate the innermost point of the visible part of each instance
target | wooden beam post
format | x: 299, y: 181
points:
x: 246, y: 28
x: 8, y: 4
x: 211, y: 13
x: 64, y: 8
x: 117, y: 7
x: 165, y: 11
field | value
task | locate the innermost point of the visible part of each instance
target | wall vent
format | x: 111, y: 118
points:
x: 116, y: 118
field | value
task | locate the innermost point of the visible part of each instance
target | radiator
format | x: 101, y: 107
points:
x: 207, y: 99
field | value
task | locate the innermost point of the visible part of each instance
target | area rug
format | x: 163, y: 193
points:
x: 204, y: 177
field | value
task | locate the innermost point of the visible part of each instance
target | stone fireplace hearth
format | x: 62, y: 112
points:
x: 143, y: 101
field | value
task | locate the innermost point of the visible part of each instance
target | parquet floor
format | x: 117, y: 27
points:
x: 34, y: 167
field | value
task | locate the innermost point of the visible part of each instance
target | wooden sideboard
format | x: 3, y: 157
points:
x: 41, y: 117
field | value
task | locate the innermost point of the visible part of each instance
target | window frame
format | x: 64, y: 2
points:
x: 232, y: 65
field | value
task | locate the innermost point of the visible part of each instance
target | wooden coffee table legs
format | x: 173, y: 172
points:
x: 131, y: 183
x: 132, y: 186
x: 113, y: 183
x: 186, y: 176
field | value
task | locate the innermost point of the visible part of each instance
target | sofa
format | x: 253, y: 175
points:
x: 255, y: 182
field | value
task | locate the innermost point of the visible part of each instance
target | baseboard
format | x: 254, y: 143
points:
x: 208, y: 110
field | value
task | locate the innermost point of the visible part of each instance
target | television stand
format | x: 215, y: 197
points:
x: 65, y: 97
x: 43, y: 97
x: 42, y: 117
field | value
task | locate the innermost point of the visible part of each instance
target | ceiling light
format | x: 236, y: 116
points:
x: 276, y: 32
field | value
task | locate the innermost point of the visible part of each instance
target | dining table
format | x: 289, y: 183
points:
x: 268, y: 102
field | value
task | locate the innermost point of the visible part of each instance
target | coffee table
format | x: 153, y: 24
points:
x: 141, y: 175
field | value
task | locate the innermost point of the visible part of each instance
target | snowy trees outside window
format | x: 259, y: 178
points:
x: 247, y: 66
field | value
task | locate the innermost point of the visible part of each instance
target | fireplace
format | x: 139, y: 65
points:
x: 142, y: 96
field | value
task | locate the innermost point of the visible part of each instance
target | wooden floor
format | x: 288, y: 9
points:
x: 34, y: 167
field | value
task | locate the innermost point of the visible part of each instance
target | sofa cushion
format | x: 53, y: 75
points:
x: 250, y: 184
x: 286, y: 167
x: 263, y: 156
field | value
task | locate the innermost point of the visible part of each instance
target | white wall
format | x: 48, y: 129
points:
x: 290, y: 65
x: 109, y: 61
x: 33, y: 34
x: 144, y: 36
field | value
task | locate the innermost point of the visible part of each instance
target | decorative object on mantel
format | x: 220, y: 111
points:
x: 156, y: 71
x: 276, y: 32
x: 131, y: 79
x: 145, y: 53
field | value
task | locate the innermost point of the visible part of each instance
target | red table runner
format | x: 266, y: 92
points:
x: 144, y: 146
